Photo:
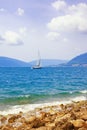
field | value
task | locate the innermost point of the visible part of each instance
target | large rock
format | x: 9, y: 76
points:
x: 78, y: 123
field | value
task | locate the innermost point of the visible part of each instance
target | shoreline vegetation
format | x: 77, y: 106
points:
x: 72, y: 116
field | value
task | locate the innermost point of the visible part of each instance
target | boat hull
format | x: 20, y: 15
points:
x: 36, y: 67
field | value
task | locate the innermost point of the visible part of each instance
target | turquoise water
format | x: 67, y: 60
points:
x: 29, y: 86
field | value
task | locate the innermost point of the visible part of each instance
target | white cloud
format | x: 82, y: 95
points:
x: 59, y: 5
x: 68, y: 23
x: 20, y: 11
x: 12, y: 38
x: 2, y: 10
x: 53, y: 35
x: 80, y: 8
x: 73, y: 19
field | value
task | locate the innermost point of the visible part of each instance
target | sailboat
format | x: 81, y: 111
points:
x: 38, y: 63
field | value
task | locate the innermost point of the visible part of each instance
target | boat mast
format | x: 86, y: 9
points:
x: 38, y: 58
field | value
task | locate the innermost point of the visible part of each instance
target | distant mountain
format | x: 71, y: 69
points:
x: 49, y: 62
x: 80, y: 60
x: 10, y: 62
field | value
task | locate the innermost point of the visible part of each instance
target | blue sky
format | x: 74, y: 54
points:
x: 58, y: 28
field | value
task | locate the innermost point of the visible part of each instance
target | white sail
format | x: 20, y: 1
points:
x: 38, y: 63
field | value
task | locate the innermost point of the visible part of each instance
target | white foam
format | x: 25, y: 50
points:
x: 84, y: 91
x: 80, y: 98
x: 30, y: 107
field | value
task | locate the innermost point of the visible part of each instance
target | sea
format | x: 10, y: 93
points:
x: 23, y: 89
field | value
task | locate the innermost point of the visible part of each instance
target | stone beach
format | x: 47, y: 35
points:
x: 71, y: 116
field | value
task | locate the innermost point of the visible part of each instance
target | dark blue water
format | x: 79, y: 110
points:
x: 27, y: 86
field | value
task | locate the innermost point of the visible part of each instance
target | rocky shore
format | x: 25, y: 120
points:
x: 60, y: 117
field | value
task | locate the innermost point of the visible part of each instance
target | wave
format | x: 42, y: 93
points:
x: 75, y: 92
x: 83, y: 91
x: 33, y: 98
x: 30, y: 107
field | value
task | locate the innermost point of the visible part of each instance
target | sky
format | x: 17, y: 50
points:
x: 58, y: 28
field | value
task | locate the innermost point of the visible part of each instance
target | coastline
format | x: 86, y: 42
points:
x: 15, y: 109
x: 50, y: 116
